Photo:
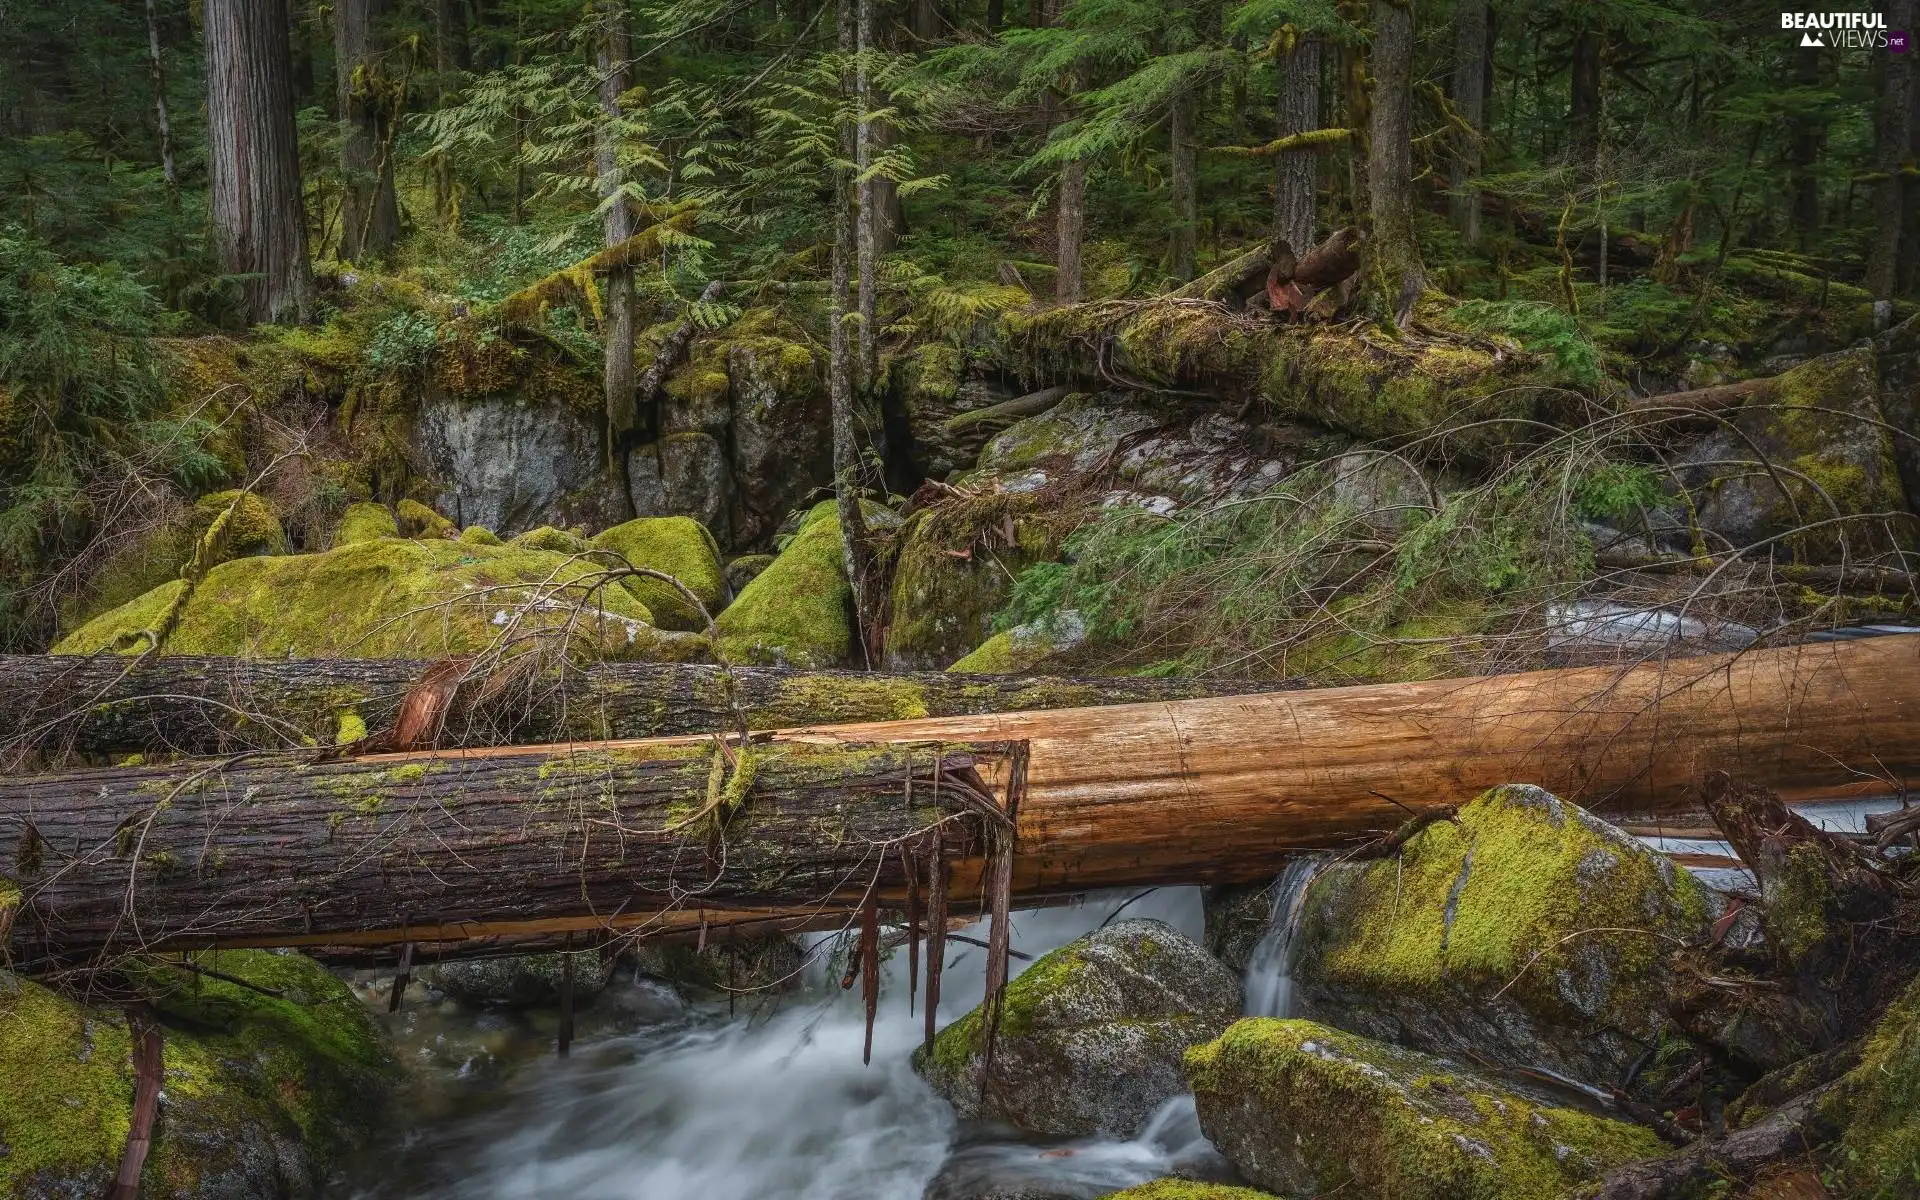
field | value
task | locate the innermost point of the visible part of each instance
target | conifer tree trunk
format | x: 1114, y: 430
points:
x: 165, y: 128
x: 1295, y: 204
x: 616, y: 223
x: 863, y: 159
x: 1183, y: 240
x: 1069, y: 280
x: 840, y: 367
x: 923, y: 20
x: 996, y: 16
x: 445, y: 59
x: 1470, y: 101
x: 1809, y: 138
x: 253, y: 158
x: 369, y: 212
x: 1396, y: 246
x: 1909, y: 270
x: 1893, y: 139
x: 1583, y: 113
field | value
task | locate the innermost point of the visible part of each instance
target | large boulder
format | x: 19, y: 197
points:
x: 385, y: 598
x: 1091, y: 1035
x: 955, y: 568
x: 676, y: 546
x: 683, y: 474
x: 798, y: 611
x: 250, y: 525
x: 1306, y: 1110
x: 1831, y: 454
x: 1526, y: 931
x: 936, y: 382
x: 512, y: 465
x: 263, y: 1094
x: 779, y: 450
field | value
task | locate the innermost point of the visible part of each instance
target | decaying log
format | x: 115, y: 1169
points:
x: 1194, y: 791
x: 185, y: 705
x: 1707, y: 399
x: 1008, y: 411
x: 1793, y: 1129
x: 280, y: 851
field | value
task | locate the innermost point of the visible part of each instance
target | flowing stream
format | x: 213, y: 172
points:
x: 771, y: 1102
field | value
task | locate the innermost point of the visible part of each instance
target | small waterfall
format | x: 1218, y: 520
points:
x: 1270, y: 966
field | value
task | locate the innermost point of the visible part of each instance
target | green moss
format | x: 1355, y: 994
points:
x: 382, y: 599
x: 1436, y: 644
x: 834, y: 700
x: 1879, y: 1103
x: 956, y: 566
x: 682, y: 548
x: 66, y: 1086
x: 796, y: 612
x: 556, y: 541
x: 959, y: 1042
x: 419, y: 521
x: 1383, y: 1121
x: 1187, y: 1189
x: 364, y: 522
x: 254, y: 528
x: 479, y: 535
x: 1798, y: 896
x: 352, y: 728
x: 1523, y: 894
x: 1849, y: 461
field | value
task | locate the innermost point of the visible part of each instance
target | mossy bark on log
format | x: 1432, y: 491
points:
x: 205, y: 705
x: 279, y: 850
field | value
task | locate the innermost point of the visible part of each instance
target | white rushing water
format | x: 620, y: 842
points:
x: 773, y: 1103
x: 1270, y: 967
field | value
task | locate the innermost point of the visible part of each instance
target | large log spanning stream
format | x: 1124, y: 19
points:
x: 497, y: 842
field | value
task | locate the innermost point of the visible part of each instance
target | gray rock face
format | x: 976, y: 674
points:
x: 519, y: 981
x: 682, y: 475
x: 780, y: 450
x: 510, y: 465
x: 1091, y: 1036
x: 1237, y: 915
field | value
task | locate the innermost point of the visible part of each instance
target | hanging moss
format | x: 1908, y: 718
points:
x: 364, y: 523
x: 679, y: 546
x: 387, y: 598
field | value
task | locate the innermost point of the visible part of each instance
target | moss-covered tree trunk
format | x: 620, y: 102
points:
x: 369, y: 212
x: 289, y: 852
x: 253, y: 159
x: 612, y: 50
x: 1468, y: 90
x: 1295, y: 203
x: 1399, y: 273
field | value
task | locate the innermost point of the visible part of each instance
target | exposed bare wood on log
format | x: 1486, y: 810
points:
x: 188, y: 705
x: 1209, y: 790
x: 281, y: 851
x: 1708, y: 399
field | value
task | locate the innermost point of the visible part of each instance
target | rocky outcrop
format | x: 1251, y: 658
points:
x: 682, y: 474
x: 1307, y: 1110
x: 955, y: 568
x: 796, y: 612
x: 1527, y: 931
x: 512, y: 465
x: 263, y: 1094
x: 1091, y: 1035
x: 385, y: 598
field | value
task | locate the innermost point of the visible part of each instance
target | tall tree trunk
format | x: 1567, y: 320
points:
x: 1395, y: 242
x: 923, y: 21
x: 1894, y: 142
x: 1183, y: 240
x: 157, y: 72
x: 1909, y: 270
x: 1470, y: 101
x: 1583, y: 114
x: 863, y: 159
x: 1295, y: 173
x: 996, y: 16
x: 1809, y: 139
x: 446, y: 20
x: 1069, y: 281
x: 253, y: 158
x: 369, y: 211
x: 616, y: 224
x: 840, y: 367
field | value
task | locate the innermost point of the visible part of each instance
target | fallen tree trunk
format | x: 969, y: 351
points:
x: 1207, y: 790
x: 276, y: 850
x: 58, y: 705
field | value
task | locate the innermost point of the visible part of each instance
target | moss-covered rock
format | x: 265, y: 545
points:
x: 1307, y: 1110
x: 1187, y: 1189
x: 682, y: 548
x: 1528, y: 931
x: 419, y: 521
x: 251, y: 528
x: 554, y: 541
x: 519, y: 980
x: 388, y: 598
x: 1091, y: 1035
x: 1025, y: 647
x: 743, y: 570
x: 955, y: 569
x: 1832, y: 455
x: 797, y: 612
x: 1879, y: 1103
x: 263, y: 1096
x: 364, y: 522
x: 479, y: 535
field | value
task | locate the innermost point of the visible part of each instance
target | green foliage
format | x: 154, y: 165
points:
x: 404, y: 342
x: 1615, y: 490
x: 1541, y: 328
